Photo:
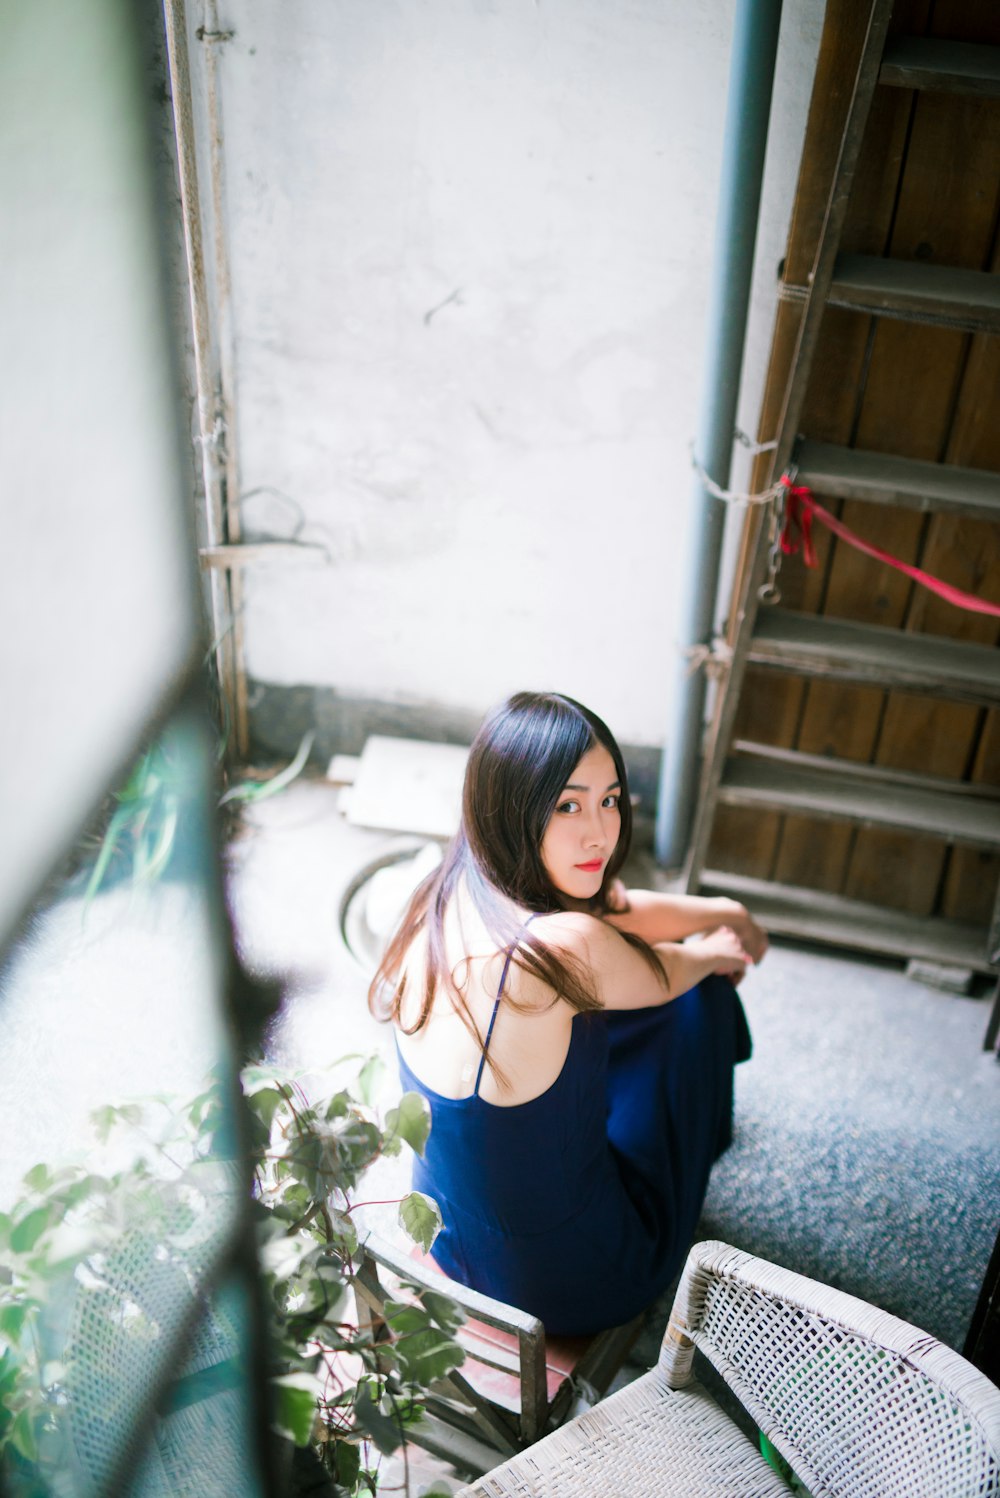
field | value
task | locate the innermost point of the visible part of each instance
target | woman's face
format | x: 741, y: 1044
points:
x: 583, y: 830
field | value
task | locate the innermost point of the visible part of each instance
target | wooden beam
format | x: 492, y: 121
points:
x: 918, y: 291
x: 932, y: 65
x: 817, y: 916
x: 869, y: 795
x: 883, y: 478
x: 870, y: 654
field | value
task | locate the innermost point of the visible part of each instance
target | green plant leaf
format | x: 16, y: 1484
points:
x: 103, y: 1120
x: 443, y: 1311
x: 348, y: 1464
x: 38, y: 1178
x: 28, y: 1231
x: 12, y: 1320
x: 420, y: 1219
x: 358, y: 1143
x: 155, y: 862
x: 265, y: 1102
x: 369, y: 1079
x: 293, y: 1203
x: 73, y: 1241
x: 116, y: 827
x: 345, y: 1234
x: 258, y: 1074
x: 338, y: 1107
x: 383, y: 1430
x: 259, y: 790
x: 285, y: 1256
x: 111, y: 1115
x: 402, y: 1317
x: 410, y: 1120
x: 326, y: 1286
x: 22, y: 1436
x: 427, y: 1355
x: 9, y: 1373
x: 297, y: 1400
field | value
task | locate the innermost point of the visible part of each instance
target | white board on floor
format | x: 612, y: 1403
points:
x: 405, y: 785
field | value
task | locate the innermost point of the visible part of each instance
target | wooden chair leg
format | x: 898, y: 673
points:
x: 982, y: 1345
x: 990, y: 1039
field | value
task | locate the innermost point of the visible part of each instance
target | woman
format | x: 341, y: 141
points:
x: 577, y: 1058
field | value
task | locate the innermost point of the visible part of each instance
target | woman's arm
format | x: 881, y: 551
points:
x: 621, y: 976
x: 671, y: 918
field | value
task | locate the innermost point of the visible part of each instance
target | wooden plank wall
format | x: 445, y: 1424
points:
x: 927, y: 188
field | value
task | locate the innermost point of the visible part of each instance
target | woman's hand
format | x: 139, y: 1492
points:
x: 673, y: 917
x: 616, y: 897
x: 725, y: 951
x: 753, y: 937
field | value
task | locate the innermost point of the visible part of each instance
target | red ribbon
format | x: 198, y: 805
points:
x: 801, y: 507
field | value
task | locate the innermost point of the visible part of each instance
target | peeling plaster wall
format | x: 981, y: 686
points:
x: 470, y: 245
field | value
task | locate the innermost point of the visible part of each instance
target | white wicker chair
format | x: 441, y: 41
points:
x: 859, y: 1403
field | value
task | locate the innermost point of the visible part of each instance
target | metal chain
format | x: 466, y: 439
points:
x: 769, y: 592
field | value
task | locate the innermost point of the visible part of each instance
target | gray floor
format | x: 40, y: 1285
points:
x: 867, y: 1151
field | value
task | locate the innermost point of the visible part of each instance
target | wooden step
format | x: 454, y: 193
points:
x: 815, y: 645
x: 814, y: 915
x: 917, y: 291
x: 940, y: 66
x: 869, y: 795
x: 883, y: 478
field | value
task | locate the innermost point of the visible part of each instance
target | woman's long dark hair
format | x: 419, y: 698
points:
x: 519, y: 763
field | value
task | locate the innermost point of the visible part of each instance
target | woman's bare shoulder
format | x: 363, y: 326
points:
x: 574, y: 933
x: 620, y: 976
x: 559, y: 925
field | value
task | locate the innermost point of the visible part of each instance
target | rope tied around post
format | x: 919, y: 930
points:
x: 715, y: 658
x: 735, y: 496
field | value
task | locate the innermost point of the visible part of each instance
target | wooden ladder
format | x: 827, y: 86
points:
x: 741, y: 773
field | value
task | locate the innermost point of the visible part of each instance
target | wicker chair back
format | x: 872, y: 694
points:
x: 856, y: 1400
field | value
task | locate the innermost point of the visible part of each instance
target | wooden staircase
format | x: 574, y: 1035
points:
x: 823, y: 776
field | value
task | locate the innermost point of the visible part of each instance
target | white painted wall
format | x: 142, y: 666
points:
x: 470, y: 244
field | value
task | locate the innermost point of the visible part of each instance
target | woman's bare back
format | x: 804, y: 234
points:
x: 530, y: 1036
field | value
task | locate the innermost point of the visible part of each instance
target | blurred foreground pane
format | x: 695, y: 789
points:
x: 125, y: 1335
x: 98, y: 592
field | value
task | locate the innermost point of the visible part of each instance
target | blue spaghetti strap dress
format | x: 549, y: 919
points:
x: 580, y: 1205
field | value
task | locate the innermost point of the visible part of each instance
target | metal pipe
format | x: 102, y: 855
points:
x: 751, y: 80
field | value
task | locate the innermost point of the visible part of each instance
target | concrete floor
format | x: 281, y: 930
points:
x: 867, y: 1148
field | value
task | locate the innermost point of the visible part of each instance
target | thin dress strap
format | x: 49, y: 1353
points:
x: 496, y: 1005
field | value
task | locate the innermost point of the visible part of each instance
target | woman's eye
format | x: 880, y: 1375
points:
x: 568, y: 806
x: 610, y: 801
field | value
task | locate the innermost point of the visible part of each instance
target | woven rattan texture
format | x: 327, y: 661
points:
x: 120, y: 1333
x: 861, y: 1404
x: 855, y: 1418
x: 131, y: 1303
x: 645, y: 1440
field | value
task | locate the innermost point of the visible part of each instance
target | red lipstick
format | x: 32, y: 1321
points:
x: 592, y: 867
